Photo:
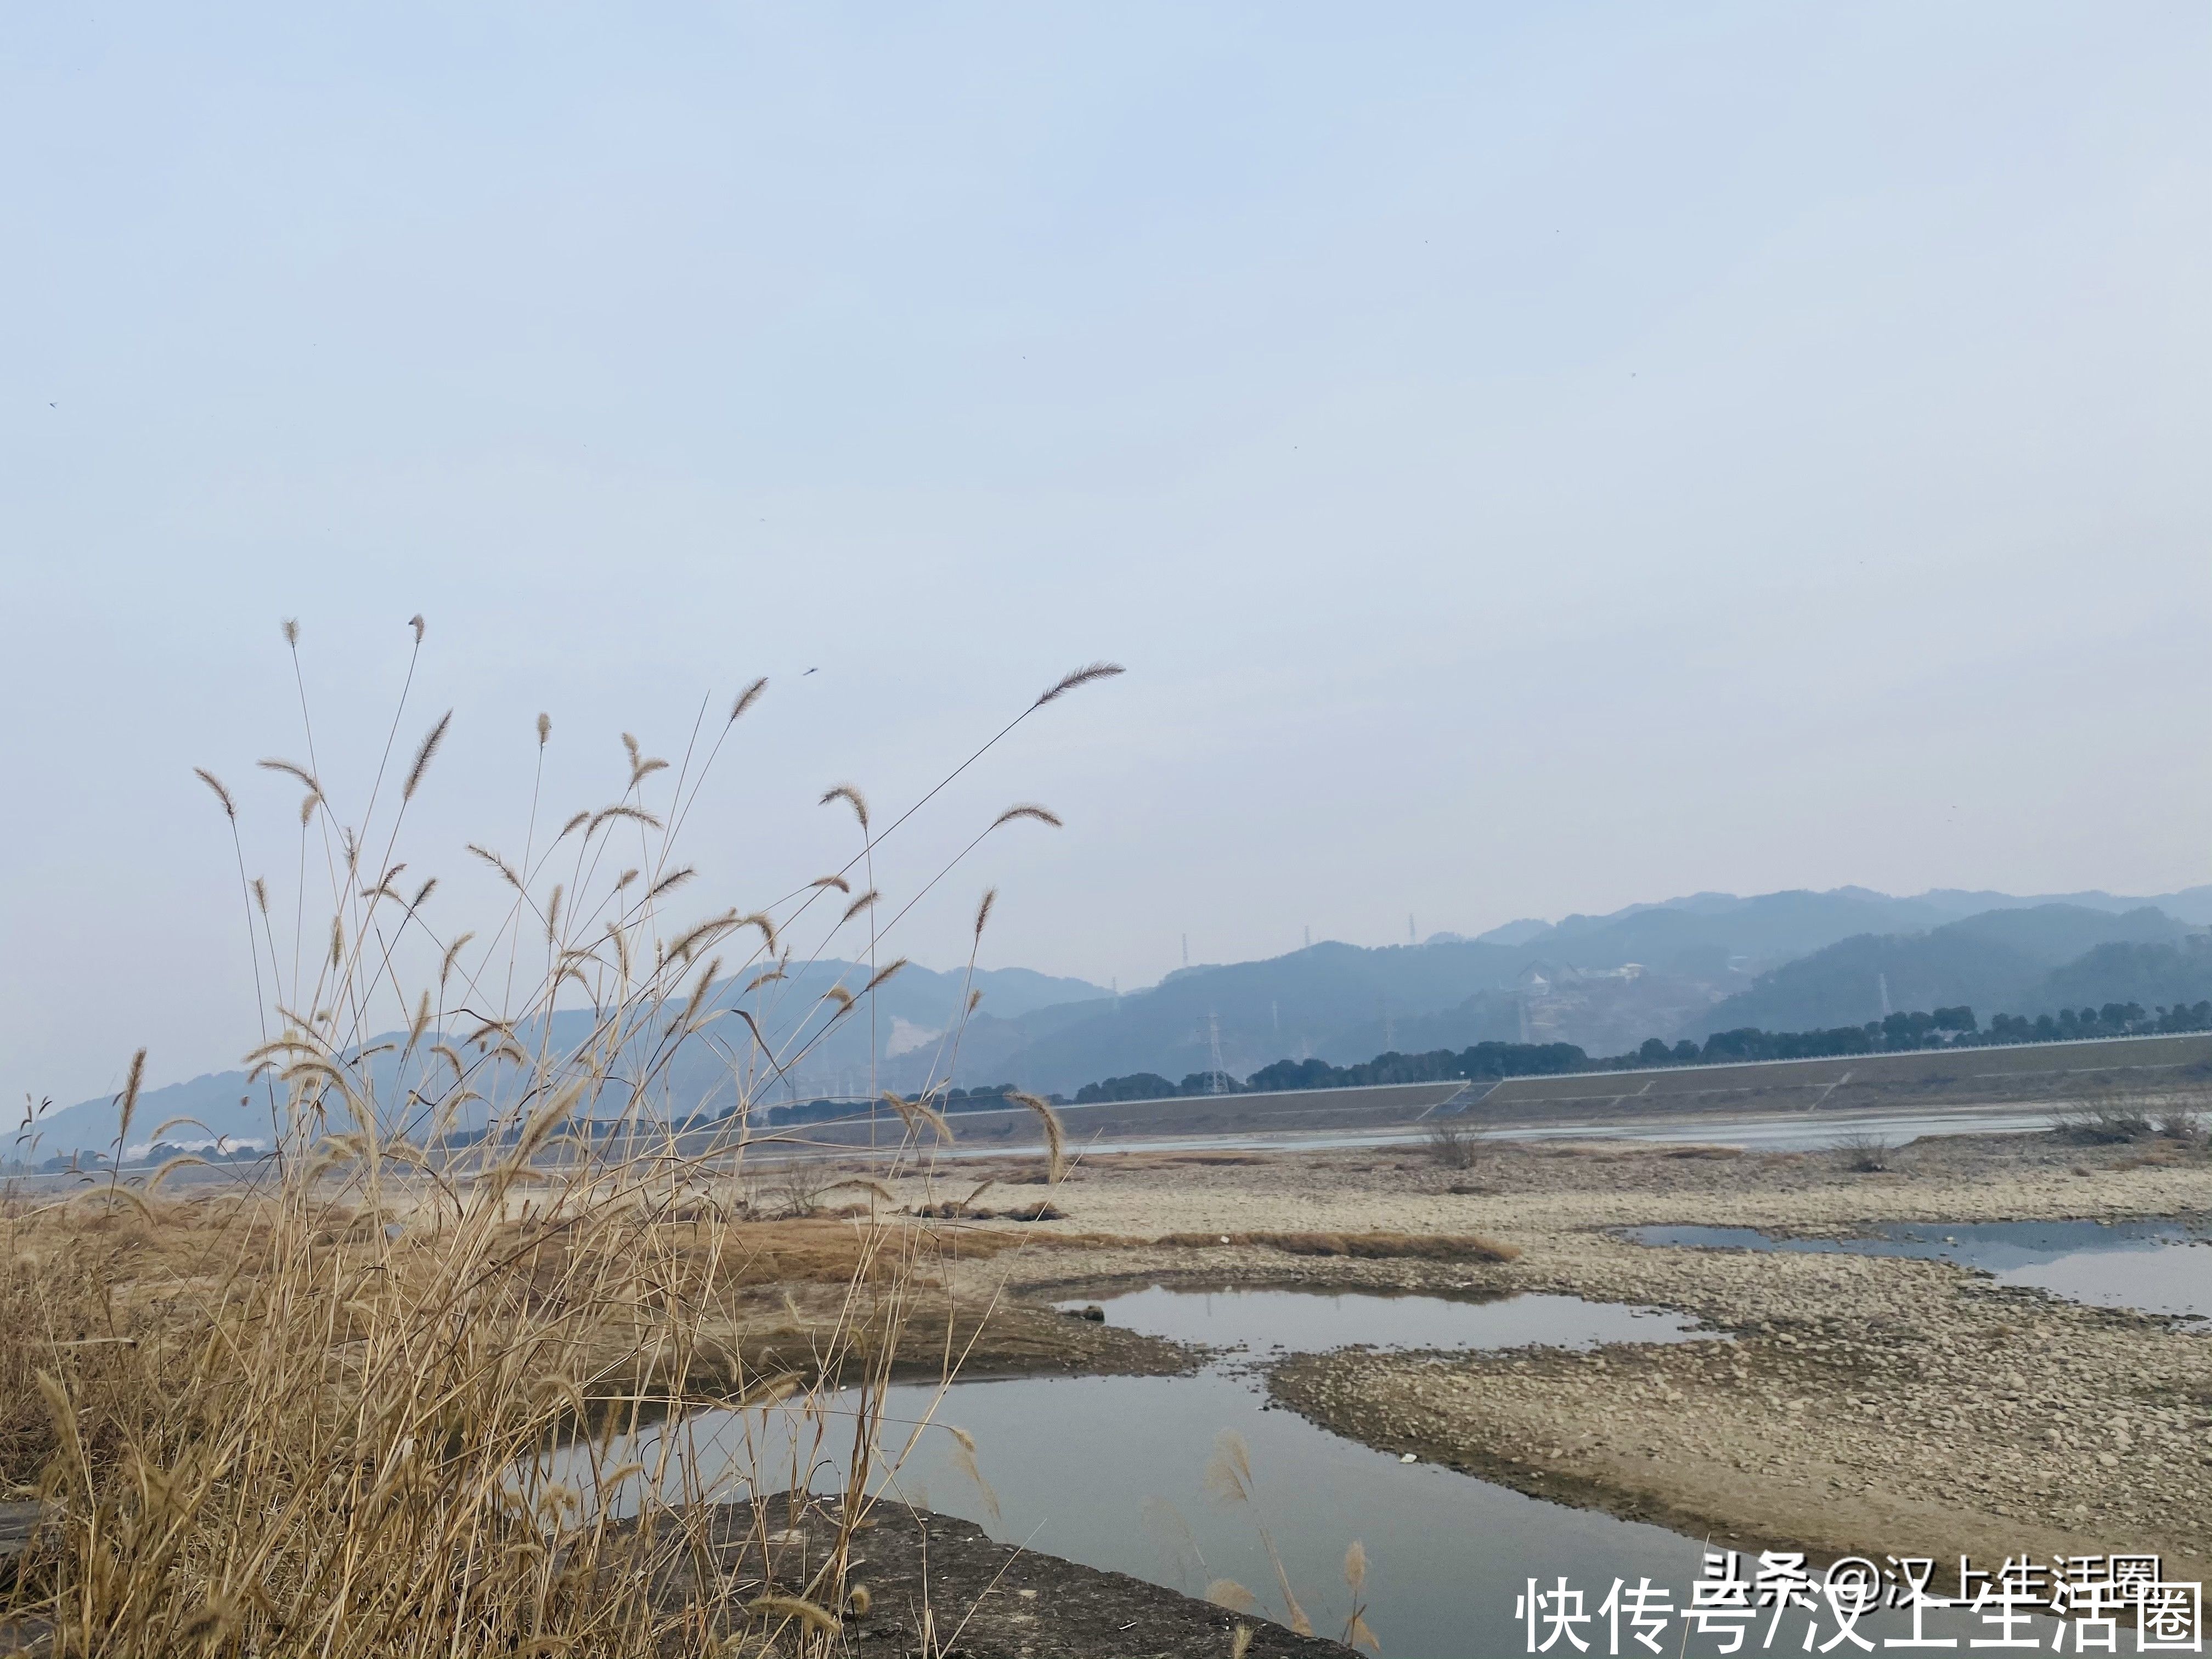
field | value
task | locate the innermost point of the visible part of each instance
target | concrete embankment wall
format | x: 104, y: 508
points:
x: 2032, y: 1075
x: 1290, y: 1110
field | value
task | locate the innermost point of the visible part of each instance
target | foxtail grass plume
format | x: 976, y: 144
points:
x: 415, y: 623
x: 229, y: 808
x: 963, y: 1459
x: 128, y: 1100
x: 291, y: 768
x: 430, y: 742
x: 499, y: 864
x: 1083, y: 676
x: 846, y: 792
x: 816, y: 1619
x: 1054, y: 1141
x: 747, y: 698
x: 984, y: 910
x: 912, y: 1113
x: 1027, y: 809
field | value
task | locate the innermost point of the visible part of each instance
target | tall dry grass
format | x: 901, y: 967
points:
x: 373, y: 1395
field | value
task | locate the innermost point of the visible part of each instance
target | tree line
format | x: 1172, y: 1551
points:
x: 1936, y: 1028
x: 1940, y: 1028
x: 1484, y: 1059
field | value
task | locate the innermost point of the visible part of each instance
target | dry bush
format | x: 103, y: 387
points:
x: 796, y: 1187
x: 378, y: 1395
x: 2182, y: 1124
x: 2105, y: 1124
x: 2132, y: 1113
x: 1865, y: 1152
x: 1453, y: 1143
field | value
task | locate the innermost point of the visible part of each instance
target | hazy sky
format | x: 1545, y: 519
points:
x: 1530, y: 457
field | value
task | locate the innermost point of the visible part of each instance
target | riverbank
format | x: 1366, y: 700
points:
x: 1865, y: 1405
x: 928, y: 1583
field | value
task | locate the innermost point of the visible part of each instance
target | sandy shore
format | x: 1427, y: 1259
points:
x: 1863, y: 1405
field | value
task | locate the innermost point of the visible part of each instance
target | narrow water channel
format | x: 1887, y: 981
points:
x: 2161, y: 1265
x: 1114, y: 1472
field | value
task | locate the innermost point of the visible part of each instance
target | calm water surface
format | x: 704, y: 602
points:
x: 1111, y: 1471
x: 2157, y: 1265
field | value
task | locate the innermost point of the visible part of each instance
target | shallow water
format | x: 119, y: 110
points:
x: 1314, y: 1322
x: 2154, y: 1266
x: 1113, y: 1472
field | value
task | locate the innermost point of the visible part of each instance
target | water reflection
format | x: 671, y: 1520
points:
x: 1112, y: 1472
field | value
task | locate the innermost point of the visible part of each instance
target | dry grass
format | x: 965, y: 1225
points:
x: 1426, y: 1247
x: 2122, y: 1115
x: 376, y: 1397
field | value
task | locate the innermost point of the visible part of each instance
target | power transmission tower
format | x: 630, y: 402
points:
x: 1220, y: 1072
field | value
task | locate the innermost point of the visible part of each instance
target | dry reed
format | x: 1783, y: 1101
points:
x: 379, y: 1393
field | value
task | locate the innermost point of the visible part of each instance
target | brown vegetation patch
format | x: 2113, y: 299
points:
x: 1426, y: 1247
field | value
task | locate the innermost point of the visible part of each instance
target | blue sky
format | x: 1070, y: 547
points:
x: 1530, y: 458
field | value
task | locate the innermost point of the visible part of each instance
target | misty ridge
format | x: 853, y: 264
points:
x: 1676, y: 972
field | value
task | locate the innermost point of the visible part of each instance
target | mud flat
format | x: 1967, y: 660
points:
x: 1866, y: 1405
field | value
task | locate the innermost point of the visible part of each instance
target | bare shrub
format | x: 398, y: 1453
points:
x: 2107, y: 1123
x: 795, y: 1187
x: 1453, y: 1143
x: 1866, y: 1152
x: 2179, y: 1123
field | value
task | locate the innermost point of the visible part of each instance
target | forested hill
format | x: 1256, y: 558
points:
x: 1782, y: 962
x: 2030, y: 960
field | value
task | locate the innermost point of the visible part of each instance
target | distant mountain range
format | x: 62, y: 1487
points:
x: 2027, y: 961
x: 1686, y: 968
x: 912, y: 1011
x: 1683, y: 969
